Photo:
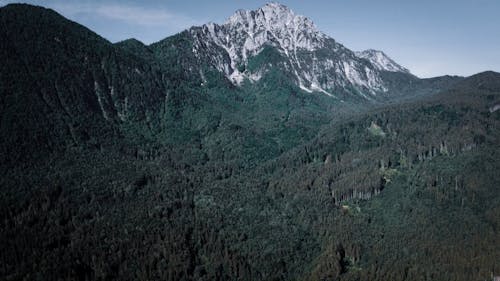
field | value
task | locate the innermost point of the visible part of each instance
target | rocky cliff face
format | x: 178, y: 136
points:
x: 381, y: 61
x: 315, y: 61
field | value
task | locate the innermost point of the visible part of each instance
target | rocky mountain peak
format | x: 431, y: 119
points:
x: 381, y: 61
x: 315, y: 61
x: 273, y: 14
x: 274, y: 22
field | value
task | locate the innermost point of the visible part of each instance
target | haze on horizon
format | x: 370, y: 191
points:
x: 431, y: 38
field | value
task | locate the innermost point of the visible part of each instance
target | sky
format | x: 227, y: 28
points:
x: 429, y: 37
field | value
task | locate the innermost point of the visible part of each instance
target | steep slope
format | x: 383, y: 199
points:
x: 415, y: 184
x: 132, y: 162
x: 63, y: 85
x: 407, y: 192
x: 381, y: 61
x: 312, y: 60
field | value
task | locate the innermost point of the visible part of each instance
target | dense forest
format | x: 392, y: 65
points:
x: 118, y: 163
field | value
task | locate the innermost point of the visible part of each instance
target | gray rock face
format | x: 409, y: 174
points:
x: 381, y: 61
x: 316, y: 61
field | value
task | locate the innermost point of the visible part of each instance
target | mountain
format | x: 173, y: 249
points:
x: 64, y: 85
x: 381, y: 61
x: 250, y: 44
x: 128, y: 161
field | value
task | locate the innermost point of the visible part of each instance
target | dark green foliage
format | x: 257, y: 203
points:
x: 403, y: 86
x: 266, y: 57
x: 64, y: 85
x: 123, y: 162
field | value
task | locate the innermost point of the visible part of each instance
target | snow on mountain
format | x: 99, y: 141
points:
x: 316, y: 61
x: 381, y: 61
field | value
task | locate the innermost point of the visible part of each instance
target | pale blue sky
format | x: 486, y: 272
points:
x: 430, y: 37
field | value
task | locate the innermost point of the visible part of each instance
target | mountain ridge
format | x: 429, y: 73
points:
x: 316, y: 61
x: 132, y: 162
x: 381, y: 61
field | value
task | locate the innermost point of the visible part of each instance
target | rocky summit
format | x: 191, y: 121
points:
x: 316, y: 61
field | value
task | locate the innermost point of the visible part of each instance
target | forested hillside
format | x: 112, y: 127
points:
x: 133, y: 162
